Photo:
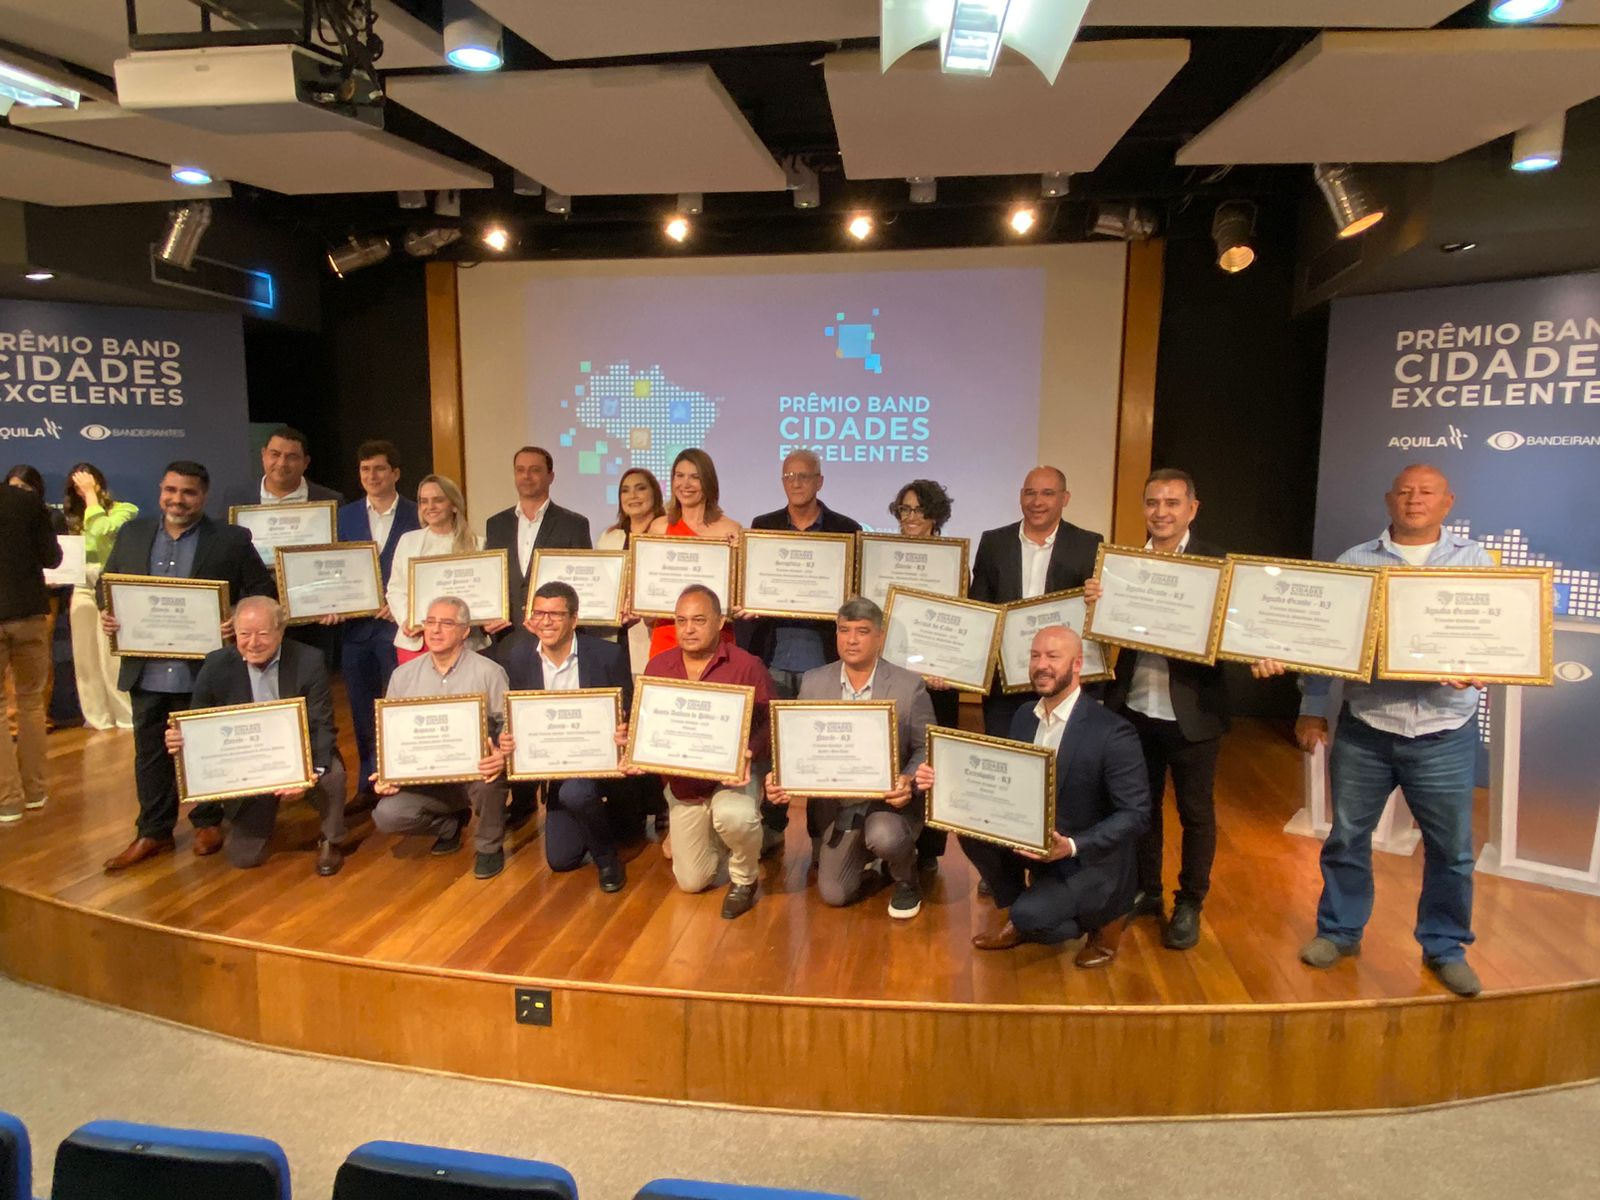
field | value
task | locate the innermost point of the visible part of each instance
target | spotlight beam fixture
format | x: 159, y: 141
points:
x: 186, y: 226
x: 1127, y: 222
x: 1538, y: 147
x: 423, y: 243
x: 1353, y: 210
x: 971, y: 32
x: 1231, y: 229
x: 472, y: 39
x: 357, y: 253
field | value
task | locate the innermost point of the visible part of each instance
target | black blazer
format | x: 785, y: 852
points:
x: 600, y: 664
x: 763, y: 640
x: 562, y: 529
x: 223, y: 678
x: 225, y: 552
x: 30, y: 546
x: 997, y: 567
x: 1199, y: 693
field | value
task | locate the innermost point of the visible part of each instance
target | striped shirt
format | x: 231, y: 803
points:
x: 1402, y: 707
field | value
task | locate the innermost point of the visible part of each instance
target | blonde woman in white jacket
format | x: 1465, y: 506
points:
x: 443, y: 513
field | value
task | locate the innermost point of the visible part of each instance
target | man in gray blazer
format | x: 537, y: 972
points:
x: 855, y: 832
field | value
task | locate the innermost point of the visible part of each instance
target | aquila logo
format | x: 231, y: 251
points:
x: 1573, y: 672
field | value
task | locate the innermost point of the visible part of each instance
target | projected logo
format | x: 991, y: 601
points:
x: 856, y: 341
x: 644, y: 418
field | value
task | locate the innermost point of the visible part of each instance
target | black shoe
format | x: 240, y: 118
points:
x: 489, y: 863
x: 449, y: 843
x: 741, y: 899
x: 612, y: 877
x: 906, y: 901
x: 1183, y: 931
x: 1147, y: 904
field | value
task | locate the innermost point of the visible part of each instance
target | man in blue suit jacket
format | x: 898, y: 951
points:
x: 1086, y: 881
x: 367, y: 657
x: 548, y: 654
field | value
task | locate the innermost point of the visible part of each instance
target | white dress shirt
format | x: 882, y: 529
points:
x: 1150, y: 689
x: 1051, y: 726
x: 299, y: 496
x: 1035, y: 561
x: 847, y: 692
x: 381, y: 522
x: 528, y: 533
x: 563, y: 678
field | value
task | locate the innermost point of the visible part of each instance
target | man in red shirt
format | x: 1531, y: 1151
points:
x: 706, y: 815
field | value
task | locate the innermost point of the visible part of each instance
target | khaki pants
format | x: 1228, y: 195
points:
x: 730, y: 819
x: 94, y: 666
x: 25, y: 657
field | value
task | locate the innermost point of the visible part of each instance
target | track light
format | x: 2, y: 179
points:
x: 421, y: 243
x: 1353, y: 210
x: 447, y: 203
x: 802, y: 183
x: 191, y: 176
x: 357, y: 253
x: 525, y: 185
x: 924, y: 189
x: 557, y: 202
x: 186, y: 226
x: 1022, y: 219
x: 1128, y: 222
x: 1538, y: 147
x: 472, y: 40
x: 860, y: 227
x: 677, y: 228
x: 1231, y: 228
x: 1516, y: 12
x: 1053, y: 184
x: 496, y: 238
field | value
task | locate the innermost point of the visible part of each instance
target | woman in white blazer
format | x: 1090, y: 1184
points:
x: 443, y: 513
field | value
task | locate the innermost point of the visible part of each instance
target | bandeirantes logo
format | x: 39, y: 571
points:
x: 95, y: 433
x: 1573, y: 672
x: 1508, y: 439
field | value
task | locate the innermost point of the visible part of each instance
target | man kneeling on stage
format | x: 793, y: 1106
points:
x: 450, y: 669
x: 261, y: 666
x: 1087, y: 880
x: 855, y: 832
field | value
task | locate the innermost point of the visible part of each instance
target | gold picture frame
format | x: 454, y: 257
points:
x: 542, y: 695
x: 1369, y: 640
x: 964, y: 544
x: 940, y: 733
x: 1545, y: 576
x: 280, y: 553
x: 899, y: 593
x: 1108, y: 654
x: 383, y: 703
x: 742, y: 571
x: 669, y: 769
x: 623, y: 581
x: 265, y: 549
x: 109, y: 583
x: 853, y: 708
x: 414, y: 618
x: 669, y: 542
x: 200, y: 715
x: 1214, y: 629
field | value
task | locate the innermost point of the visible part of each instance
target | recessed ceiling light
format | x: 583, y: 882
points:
x: 677, y: 229
x: 39, y: 276
x: 1457, y: 247
x: 1021, y: 219
x: 1515, y: 12
x: 192, y: 176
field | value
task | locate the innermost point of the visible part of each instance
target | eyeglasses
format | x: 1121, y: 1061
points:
x: 799, y: 476
x: 441, y: 623
x: 543, y: 615
x: 903, y: 511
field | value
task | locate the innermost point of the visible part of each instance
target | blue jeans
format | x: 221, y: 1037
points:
x: 1436, y: 773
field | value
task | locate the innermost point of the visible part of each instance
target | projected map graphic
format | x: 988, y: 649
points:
x: 646, y: 417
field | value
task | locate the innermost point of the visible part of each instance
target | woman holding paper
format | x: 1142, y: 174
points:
x: 694, y: 511
x: 96, y: 514
x: 443, y: 512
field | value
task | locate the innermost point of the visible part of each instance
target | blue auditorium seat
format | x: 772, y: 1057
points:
x: 118, y: 1160
x: 400, y: 1171
x: 16, y: 1162
x: 694, y: 1189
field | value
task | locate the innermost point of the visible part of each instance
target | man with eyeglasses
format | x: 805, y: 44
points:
x: 443, y: 810
x: 549, y: 654
x: 791, y: 648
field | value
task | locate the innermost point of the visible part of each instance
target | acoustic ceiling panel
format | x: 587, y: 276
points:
x: 916, y: 120
x: 41, y: 170
x: 617, y: 131
x: 1305, y: 14
x: 292, y: 163
x: 1403, y: 97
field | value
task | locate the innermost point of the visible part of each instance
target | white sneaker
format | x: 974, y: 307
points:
x: 8, y: 815
x: 35, y: 805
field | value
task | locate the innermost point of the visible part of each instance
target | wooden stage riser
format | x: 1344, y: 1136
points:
x: 968, y: 1061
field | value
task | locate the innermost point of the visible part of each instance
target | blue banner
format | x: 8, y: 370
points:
x: 128, y: 389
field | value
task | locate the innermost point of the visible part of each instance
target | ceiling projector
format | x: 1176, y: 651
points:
x: 250, y: 89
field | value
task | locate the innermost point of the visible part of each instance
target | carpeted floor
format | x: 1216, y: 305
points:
x: 64, y: 1062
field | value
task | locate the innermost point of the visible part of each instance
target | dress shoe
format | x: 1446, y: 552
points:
x: 1100, y: 947
x: 612, y: 877
x: 1001, y: 939
x: 488, y: 864
x: 1183, y: 931
x: 329, y: 858
x: 741, y: 898
x: 1455, y: 975
x: 1322, y: 953
x: 138, y: 850
x: 208, y: 840
x: 1147, y: 903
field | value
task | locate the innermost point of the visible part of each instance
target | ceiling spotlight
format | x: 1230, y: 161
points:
x: 39, y: 276
x: 1022, y: 219
x: 1128, y: 222
x: 557, y: 202
x: 180, y: 241
x: 357, y: 253
x: 420, y: 243
x: 1538, y: 147
x: 525, y: 185
x: 1231, y: 228
x: 411, y: 199
x: 472, y: 40
x: 191, y: 176
x: 1353, y: 210
x: 497, y: 238
x: 677, y: 229
x: 1516, y: 12
x: 924, y: 189
x: 29, y: 90
x: 690, y: 203
x: 1053, y: 184
x: 860, y: 227
x: 802, y: 183
x: 447, y: 203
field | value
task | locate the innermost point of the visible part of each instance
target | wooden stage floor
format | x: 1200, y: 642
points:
x: 686, y: 1003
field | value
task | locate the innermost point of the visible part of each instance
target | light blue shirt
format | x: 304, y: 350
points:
x: 174, y: 558
x: 264, y: 680
x: 1402, y: 707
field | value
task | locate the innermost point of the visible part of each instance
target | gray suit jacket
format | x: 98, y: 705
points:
x: 913, y: 710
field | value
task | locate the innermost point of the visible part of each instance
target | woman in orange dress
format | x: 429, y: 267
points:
x: 692, y: 512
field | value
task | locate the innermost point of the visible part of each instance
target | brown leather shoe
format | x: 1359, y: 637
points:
x: 1001, y: 939
x: 1100, y: 947
x: 138, y: 850
x: 208, y: 840
x: 329, y: 858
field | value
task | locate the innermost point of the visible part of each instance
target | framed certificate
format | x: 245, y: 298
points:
x: 1494, y: 624
x: 243, y: 750
x: 1024, y: 618
x: 1169, y: 604
x: 481, y: 578
x: 804, y: 575
x: 661, y: 567
x: 599, y: 577
x: 431, y: 739
x: 942, y: 636
x: 992, y: 788
x: 849, y: 750
x: 695, y: 730
x: 564, y: 735
x: 1321, y: 618
x: 74, y: 568
x: 272, y: 525
x: 928, y: 564
x: 342, y: 580
x: 165, y: 618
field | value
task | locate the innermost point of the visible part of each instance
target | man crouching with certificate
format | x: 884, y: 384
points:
x: 1085, y: 884
x: 854, y: 831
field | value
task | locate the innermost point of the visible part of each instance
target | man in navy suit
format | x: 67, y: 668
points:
x: 366, y: 656
x: 1085, y: 883
x: 548, y: 654
x: 182, y: 543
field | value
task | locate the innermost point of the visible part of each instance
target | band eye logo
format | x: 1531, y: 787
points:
x: 1506, y: 439
x: 1573, y: 672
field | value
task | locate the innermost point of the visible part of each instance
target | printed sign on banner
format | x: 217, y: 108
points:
x: 128, y: 389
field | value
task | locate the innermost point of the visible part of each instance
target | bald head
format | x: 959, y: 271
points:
x: 1054, y: 661
x: 1418, y: 500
